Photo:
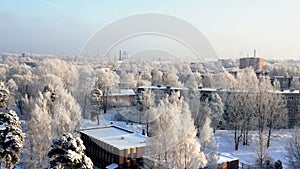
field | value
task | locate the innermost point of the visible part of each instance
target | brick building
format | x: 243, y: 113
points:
x: 255, y: 62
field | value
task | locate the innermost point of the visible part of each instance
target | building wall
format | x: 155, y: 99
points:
x: 293, y: 103
x: 256, y: 63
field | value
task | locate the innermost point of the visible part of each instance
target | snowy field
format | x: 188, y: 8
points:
x: 247, y: 154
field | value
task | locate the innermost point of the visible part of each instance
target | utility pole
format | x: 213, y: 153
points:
x: 105, y: 93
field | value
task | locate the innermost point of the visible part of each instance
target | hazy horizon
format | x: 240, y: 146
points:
x: 234, y: 28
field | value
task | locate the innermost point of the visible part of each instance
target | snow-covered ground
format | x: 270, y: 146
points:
x: 247, y: 154
x: 224, y: 138
x: 108, y: 119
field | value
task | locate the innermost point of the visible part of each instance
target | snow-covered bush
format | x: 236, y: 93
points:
x: 68, y: 153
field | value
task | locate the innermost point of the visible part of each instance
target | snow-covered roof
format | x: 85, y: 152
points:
x: 123, y: 92
x: 116, y: 137
x: 208, y: 89
x: 282, y: 77
x: 163, y: 87
x: 177, y: 88
x: 226, y: 157
x: 287, y: 91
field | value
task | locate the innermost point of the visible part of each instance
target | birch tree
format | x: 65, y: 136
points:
x: 66, y: 113
x: 208, y: 144
x: 217, y: 109
x: 39, y: 133
x: 174, y: 135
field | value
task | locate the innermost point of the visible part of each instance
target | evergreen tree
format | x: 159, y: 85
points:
x: 11, y: 134
x: 11, y: 138
x: 68, y: 153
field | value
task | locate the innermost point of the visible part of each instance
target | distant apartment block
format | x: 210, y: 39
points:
x: 163, y: 91
x: 286, y: 82
x: 292, y: 98
x: 255, y: 62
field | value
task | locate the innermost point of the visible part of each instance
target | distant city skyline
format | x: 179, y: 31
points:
x: 234, y: 28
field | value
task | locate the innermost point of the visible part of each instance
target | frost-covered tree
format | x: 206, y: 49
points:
x: 208, y: 144
x: 39, y: 132
x: 67, y: 71
x: 225, y: 80
x: 67, y: 152
x: 233, y: 115
x: 217, y: 109
x: 11, y: 138
x: 189, y: 81
x: 200, y: 113
x: 295, y: 84
x: 277, y: 115
x: 129, y: 80
x: 25, y: 79
x: 48, y: 118
x: 82, y: 91
x: 13, y: 89
x: 293, y: 151
x: 156, y: 77
x: 208, y: 81
x: 3, y: 72
x: 66, y: 113
x: 174, y: 142
x: 240, y: 102
x: 276, y: 84
x: 4, y: 95
x: 11, y: 134
x: 106, y: 79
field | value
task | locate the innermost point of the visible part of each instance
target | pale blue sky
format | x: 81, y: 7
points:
x: 62, y: 27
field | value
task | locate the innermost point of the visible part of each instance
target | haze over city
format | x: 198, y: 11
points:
x: 234, y: 28
x: 196, y: 84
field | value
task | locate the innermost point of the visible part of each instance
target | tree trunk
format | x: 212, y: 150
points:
x: 269, y: 137
x: 244, y: 138
x: 237, y: 138
x: 247, y: 133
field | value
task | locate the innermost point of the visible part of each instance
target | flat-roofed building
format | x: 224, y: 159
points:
x: 292, y: 99
x: 113, y: 145
x: 255, y: 62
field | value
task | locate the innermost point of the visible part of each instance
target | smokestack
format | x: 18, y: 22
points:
x: 254, y: 52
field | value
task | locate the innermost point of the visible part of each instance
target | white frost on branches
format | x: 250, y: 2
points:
x: 11, y: 138
x: 68, y: 153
